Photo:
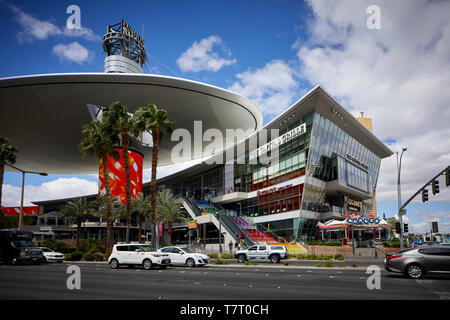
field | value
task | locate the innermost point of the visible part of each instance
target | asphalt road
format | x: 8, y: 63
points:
x: 261, y: 282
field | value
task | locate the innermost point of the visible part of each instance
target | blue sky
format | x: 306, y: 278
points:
x: 271, y: 52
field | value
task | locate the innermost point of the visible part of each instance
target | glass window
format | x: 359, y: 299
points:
x: 254, y: 248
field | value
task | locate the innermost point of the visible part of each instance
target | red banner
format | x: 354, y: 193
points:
x: 15, y: 211
x: 117, y: 181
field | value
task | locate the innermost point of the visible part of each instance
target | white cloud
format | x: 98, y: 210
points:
x: 273, y: 87
x: 74, y: 52
x: 425, y: 219
x: 35, y: 29
x: 56, y: 189
x: 397, y: 75
x: 200, y: 56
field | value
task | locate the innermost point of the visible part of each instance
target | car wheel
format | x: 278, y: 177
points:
x: 241, y: 258
x: 190, y: 262
x: 414, y: 271
x: 114, y: 264
x: 275, y: 258
x: 147, y: 264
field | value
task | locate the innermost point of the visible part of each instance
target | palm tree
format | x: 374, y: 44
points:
x: 78, y: 208
x: 155, y: 121
x: 168, y: 210
x: 141, y: 205
x: 100, y: 140
x: 121, y: 120
x: 7, y: 155
x: 117, y: 209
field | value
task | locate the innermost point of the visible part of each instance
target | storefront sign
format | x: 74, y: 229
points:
x: 357, y: 219
x: 353, y: 204
x: 294, y: 133
x: 356, y: 161
x: 272, y: 190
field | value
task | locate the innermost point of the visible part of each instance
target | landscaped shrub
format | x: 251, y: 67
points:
x: 395, y: 243
x: 313, y: 257
x: 95, y: 253
x: 338, y: 257
x: 74, y: 256
x: 57, y: 246
x: 326, y: 244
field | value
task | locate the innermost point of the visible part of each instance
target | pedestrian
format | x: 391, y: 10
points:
x: 236, y: 245
x: 241, y: 239
x: 230, y: 246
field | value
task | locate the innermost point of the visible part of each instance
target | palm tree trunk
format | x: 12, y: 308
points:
x: 126, y: 163
x: 140, y: 227
x: 155, y: 135
x: 109, y: 241
x: 169, y: 227
x: 78, y: 231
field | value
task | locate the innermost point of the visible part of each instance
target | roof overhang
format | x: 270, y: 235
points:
x: 42, y: 115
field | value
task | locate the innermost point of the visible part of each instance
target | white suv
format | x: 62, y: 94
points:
x: 184, y: 256
x: 137, y: 254
x: 265, y: 252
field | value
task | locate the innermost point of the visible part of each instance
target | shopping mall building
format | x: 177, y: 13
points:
x: 326, y: 167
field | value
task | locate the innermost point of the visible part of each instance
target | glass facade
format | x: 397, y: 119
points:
x: 336, y: 156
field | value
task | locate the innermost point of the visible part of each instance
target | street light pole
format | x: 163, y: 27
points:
x: 20, y: 227
x: 400, y: 214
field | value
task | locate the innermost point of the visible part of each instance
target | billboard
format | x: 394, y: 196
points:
x: 117, y: 181
x: 15, y: 211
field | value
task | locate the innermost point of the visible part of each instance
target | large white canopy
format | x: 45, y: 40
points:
x: 42, y: 115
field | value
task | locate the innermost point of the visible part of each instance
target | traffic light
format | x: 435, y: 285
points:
x: 397, y: 227
x: 435, y: 186
x: 424, y: 195
x: 405, y: 227
x: 447, y: 177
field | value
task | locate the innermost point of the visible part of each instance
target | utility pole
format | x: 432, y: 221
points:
x: 400, y: 212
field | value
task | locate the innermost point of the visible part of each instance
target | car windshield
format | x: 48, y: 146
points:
x: 23, y: 243
x: 187, y: 250
x: 46, y: 250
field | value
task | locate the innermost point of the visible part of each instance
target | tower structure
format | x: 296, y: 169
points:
x: 124, y: 48
x: 367, y: 122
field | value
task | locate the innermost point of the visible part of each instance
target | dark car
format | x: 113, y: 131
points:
x: 416, y: 262
x: 17, y: 247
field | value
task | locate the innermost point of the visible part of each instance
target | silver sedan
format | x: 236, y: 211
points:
x: 415, y: 262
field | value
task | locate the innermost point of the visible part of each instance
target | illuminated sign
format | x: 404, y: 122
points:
x: 294, y: 133
x: 357, y: 219
x: 353, y: 204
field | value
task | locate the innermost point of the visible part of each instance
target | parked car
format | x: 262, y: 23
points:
x: 183, y: 256
x: 262, y: 252
x: 137, y: 254
x: 17, y: 247
x: 52, y: 256
x: 416, y: 262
